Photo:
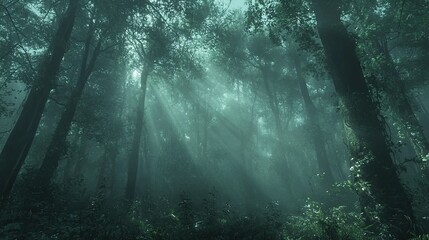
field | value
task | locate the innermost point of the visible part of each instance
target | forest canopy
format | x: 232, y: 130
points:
x: 214, y: 119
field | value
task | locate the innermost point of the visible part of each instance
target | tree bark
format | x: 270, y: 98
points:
x: 21, y: 137
x: 57, y: 146
x: 133, y: 160
x: 383, y: 198
x: 313, y: 118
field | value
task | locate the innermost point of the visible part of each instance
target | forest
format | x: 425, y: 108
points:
x: 214, y: 119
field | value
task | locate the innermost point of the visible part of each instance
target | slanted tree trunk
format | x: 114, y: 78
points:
x: 133, y: 160
x: 317, y: 134
x: 21, y: 137
x: 57, y: 146
x: 382, y: 196
x: 400, y: 103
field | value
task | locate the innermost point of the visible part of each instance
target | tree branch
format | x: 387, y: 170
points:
x: 57, y: 102
x: 18, y: 36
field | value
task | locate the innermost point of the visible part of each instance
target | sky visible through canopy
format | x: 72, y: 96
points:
x: 236, y: 4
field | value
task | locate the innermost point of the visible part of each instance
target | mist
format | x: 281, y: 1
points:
x: 174, y: 119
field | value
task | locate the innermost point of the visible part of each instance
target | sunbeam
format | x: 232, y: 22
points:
x: 225, y: 119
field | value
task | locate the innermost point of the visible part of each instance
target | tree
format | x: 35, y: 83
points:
x: 21, y: 137
x: 18, y: 34
x: 152, y: 44
x: 160, y: 32
x: 103, y: 34
x: 379, y: 44
x: 381, y: 194
x: 400, y: 102
x: 317, y: 135
x: 58, y: 142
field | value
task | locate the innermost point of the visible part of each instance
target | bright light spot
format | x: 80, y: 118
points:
x: 235, y: 4
x: 299, y: 120
x: 135, y: 74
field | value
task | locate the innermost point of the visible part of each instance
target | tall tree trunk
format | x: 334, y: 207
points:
x: 400, y: 103
x: 313, y: 118
x: 21, y: 137
x: 382, y: 196
x: 133, y: 160
x: 81, y: 156
x: 197, y: 132
x: 71, y: 161
x: 240, y: 113
x: 108, y: 158
x: 147, y: 162
x: 274, y: 106
x: 205, y: 138
x: 280, y: 146
x: 57, y: 146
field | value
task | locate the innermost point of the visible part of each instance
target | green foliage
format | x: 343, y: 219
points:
x: 70, y: 213
x: 317, y: 222
x: 422, y: 237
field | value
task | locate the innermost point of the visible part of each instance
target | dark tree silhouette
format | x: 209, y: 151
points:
x: 57, y: 147
x: 382, y: 195
x: 21, y: 137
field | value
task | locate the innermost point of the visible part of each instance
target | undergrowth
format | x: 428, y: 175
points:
x: 69, y: 212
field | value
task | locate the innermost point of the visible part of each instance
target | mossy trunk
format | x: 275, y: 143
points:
x: 400, y: 103
x: 383, y: 198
